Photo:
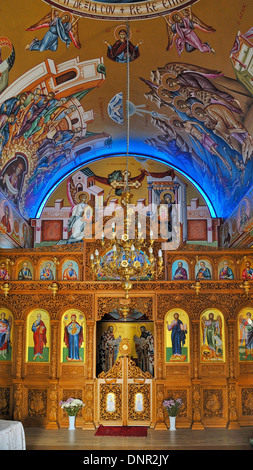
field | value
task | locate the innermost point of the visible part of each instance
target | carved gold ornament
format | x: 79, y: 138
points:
x: 125, y: 347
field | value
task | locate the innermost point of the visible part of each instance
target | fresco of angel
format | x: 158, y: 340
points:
x: 212, y: 337
x: 181, y: 27
x: 61, y: 26
x: 6, y: 64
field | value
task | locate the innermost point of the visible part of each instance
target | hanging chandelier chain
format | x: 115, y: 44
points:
x: 129, y: 259
x: 127, y: 106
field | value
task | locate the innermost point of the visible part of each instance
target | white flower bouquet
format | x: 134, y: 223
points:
x: 72, y: 406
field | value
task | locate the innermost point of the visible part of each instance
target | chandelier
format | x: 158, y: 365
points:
x: 131, y: 258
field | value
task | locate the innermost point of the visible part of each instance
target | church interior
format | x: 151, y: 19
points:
x: 126, y: 223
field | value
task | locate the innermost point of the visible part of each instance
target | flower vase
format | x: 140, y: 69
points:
x: 72, y: 420
x: 172, y: 423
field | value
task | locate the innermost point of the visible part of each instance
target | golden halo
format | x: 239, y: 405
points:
x: 113, y: 326
x: 167, y: 192
x: 79, y: 194
x: 165, y: 77
x: 174, y: 13
x: 175, y: 103
x: 175, y: 118
x: 64, y: 13
x: 193, y: 110
x: 139, y: 328
x: 117, y: 30
x: 162, y: 96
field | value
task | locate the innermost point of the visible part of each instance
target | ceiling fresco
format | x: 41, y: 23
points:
x: 66, y: 83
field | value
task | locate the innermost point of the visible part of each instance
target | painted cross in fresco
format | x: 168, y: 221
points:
x: 125, y: 183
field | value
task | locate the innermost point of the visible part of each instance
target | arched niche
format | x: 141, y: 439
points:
x: 226, y: 269
x: 176, y: 337
x: 203, y: 270
x: 38, y: 334
x: 180, y: 270
x: 245, y: 335
x: 73, y: 336
x: 137, y: 330
x: 70, y: 270
x: 47, y: 270
x: 25, y: 270
x: 247, y: 270
x: 6, y: 335
x: 212, y: 336
x: 4, y: 271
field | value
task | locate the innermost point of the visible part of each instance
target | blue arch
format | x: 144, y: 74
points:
x: 84, y: 159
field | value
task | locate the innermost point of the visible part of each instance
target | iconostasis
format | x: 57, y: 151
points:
x: 70, y: 71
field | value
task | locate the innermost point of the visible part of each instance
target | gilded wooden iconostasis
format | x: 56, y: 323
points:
x: 63, y: 144
x: 210, y: 368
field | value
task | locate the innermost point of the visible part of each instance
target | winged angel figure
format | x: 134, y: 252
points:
x: 180, y: 28
x: 61, y: 25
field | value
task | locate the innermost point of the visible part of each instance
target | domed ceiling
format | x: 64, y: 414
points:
x: 66, y: 84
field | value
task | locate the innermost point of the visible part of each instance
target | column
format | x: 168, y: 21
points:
x: 53, y: 402
x: 53, y: 406
x: 90, y: 348
x: 18, y: 400
x: 159, y: 350
x: 158, y: 389
x: 54, y: 349
x: 19, y: 349
x: 89, y: 391
x: 196, y: 382
x: 17, y: 381
x: 232, y: 386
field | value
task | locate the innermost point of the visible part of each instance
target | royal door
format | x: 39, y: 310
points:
x: 124, y: 393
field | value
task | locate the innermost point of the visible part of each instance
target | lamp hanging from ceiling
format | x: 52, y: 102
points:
x: 132, y: 258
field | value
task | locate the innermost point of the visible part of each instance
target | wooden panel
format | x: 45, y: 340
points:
x: 214, y: 394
